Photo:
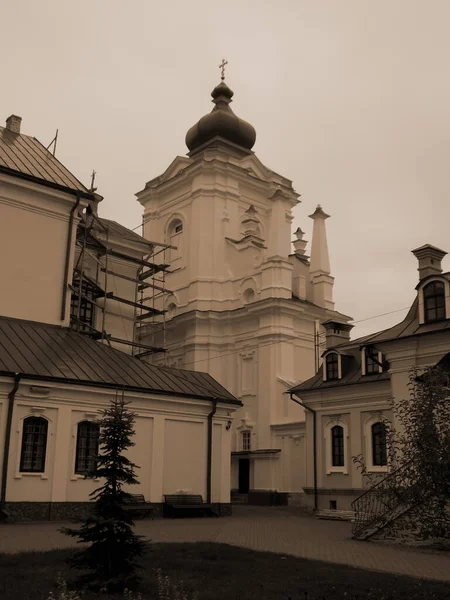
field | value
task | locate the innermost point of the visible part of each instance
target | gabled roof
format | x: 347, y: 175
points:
x: 24, y: 156
x: 51, y: 353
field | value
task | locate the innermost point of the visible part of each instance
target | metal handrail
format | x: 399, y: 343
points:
x: 378, y: 501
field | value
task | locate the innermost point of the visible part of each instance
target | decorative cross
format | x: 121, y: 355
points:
x: 222, y: 68
x: 92, y: 181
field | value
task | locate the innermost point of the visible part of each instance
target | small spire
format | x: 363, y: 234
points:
x: 222, y: 68
x: 319, y: 213
x: 299, y: 233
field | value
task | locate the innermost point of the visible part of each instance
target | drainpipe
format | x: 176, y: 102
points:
x: 11, y: 397
x: 209, y: 456
x: 314, y: 445
x: 68, y: 248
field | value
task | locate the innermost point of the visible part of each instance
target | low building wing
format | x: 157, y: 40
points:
x: 51, y: 353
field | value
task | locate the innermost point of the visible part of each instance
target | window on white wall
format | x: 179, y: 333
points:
x: 88, y: 434
x: 337, y: 446
x: 434, y: 301
x: 378, y: 438
x: 246, y: 441
x: 34, y: 445
x: 175, y: 238
x: 375, y: 434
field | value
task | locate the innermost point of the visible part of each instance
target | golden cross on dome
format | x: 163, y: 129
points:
x: 222, y: 68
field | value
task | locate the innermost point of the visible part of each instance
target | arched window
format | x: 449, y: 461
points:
x: 175, y: 238
x: 379, y: 458
x: 88, y: 434
x: 249, y: 296
x: 434, y: 301
x: 34, y: 445
x: 337, y: 446
x: 332, y: 366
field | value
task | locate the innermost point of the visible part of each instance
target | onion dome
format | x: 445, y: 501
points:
x: 221, y: 121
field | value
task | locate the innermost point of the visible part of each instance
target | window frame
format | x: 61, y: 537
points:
x: 80, y: 471
x: 438, y: 306
x: 368, y: 444
x: 340, y: 455
x: 335, y: 420
x: 326, y: 376
x: 174, y: 235
x: 375, y: 462
x: 41, y: 469
x: 246, y: 440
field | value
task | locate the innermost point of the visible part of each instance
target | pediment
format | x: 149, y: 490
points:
x: 255, y: 167
x: 248, y: 241
x: 176, y: 166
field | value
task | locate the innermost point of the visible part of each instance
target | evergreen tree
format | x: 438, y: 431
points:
x: 110, y: 560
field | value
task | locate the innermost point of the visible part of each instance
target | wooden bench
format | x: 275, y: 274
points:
x: 135, y: 503
x: 187, y: 503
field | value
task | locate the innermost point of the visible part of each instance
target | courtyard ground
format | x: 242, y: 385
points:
x: 285, y: 530
x: 208, y: 571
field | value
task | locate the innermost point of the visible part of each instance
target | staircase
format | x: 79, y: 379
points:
x: 386, y: 501
x: 335, y: 515
x: 237, y: 498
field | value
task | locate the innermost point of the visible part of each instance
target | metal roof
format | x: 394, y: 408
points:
x: 118, y: 230
x: 351, y: 374
x: 25, y: 156
x: 48, y: 352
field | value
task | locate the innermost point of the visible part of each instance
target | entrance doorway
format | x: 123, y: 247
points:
x: 244, y: 475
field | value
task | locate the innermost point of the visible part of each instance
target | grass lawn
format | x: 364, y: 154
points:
x: 222, y: 572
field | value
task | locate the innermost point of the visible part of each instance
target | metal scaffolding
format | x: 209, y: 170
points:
x: 88, y: 315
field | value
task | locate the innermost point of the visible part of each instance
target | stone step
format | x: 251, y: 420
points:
x: 335, y: 515
x: 239, y: 498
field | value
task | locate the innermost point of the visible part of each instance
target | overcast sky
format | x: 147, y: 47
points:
x: 350, y: 100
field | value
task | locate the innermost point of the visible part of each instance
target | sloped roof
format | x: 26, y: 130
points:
x: 351, y: 374
x: 48, y: 352
x: 23, y: 155
x: 122, y: 232
x: 409, y: 327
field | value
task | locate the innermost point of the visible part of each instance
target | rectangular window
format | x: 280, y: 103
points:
x: 246, y: 441
x: 87, y: 306
x: 379, y: 454
x: 332, y: 366
x: 337, y: 446
x: 372, y: 367
x: 34, y: 445
x: 87, y: 447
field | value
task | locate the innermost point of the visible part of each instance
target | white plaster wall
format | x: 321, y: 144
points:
x: 184, y: 456
x: 33, y: 229
x: 170, y: 446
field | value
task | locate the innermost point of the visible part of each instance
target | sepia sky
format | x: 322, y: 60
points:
x: 350, y: 99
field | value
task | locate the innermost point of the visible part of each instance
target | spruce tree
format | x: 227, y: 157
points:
x: 109, y: 561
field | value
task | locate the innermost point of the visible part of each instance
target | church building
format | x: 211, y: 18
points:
x: 68, y: 310
x: 241, y: 305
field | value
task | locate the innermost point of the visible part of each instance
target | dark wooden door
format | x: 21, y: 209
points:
x: 244, y: 475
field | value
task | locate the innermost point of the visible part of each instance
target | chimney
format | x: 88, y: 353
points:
x: 430, y: 259
x: 13, y: 123
x: 336, y: 333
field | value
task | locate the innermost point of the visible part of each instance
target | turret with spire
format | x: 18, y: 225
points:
x: 320, y: 271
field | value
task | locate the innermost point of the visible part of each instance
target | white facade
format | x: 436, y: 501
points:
x: 356, y: 399
x: 171, y: 444
x: 64, y: 381
x: 242, y: 307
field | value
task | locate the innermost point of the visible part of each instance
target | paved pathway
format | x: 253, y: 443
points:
x: 278, y: 529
